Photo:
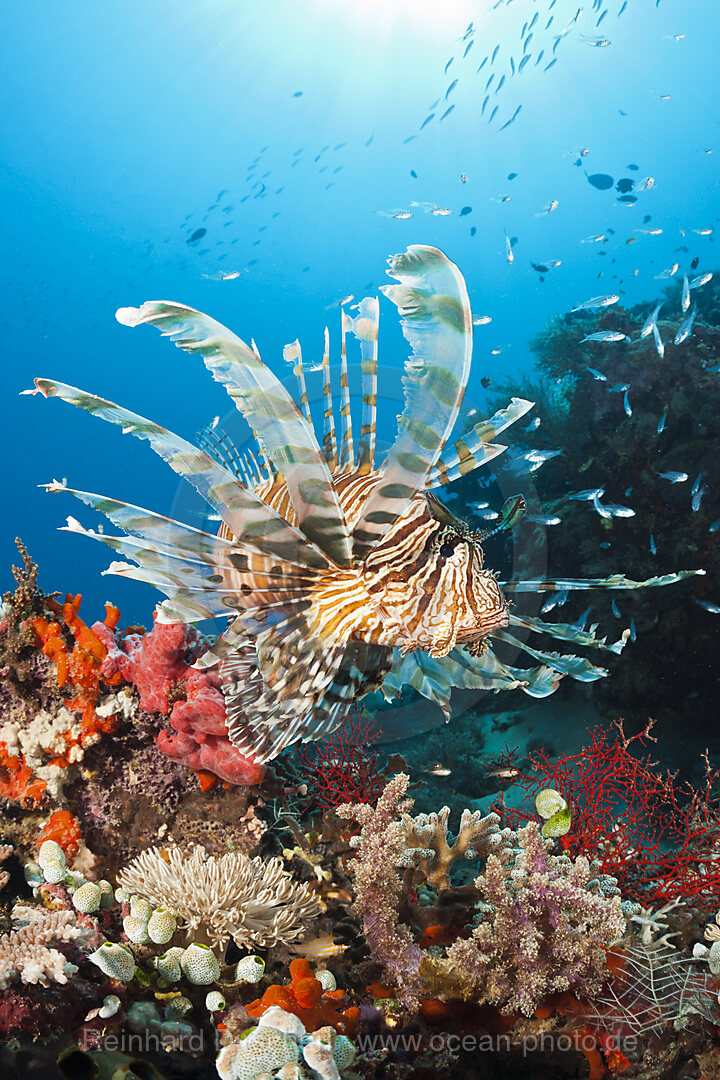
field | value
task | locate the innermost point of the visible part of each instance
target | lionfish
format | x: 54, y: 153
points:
x: 339, y: 576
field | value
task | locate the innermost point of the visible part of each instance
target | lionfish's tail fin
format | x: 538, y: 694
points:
x: 436, y: 320
x: 476, y: 448
x: 347, y: 453
x: 280, y: 428
x: 329, y: 437
x: 292, y: 354
x: 365, y: 328
x: 254, y: 524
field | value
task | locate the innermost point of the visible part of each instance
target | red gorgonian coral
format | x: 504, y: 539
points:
x: 344, y: 768
x: 659, y: 837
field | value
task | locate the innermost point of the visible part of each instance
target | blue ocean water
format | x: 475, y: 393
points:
x: 124, y: 122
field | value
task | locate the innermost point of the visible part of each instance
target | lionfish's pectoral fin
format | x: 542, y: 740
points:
x: 436, y: 320
x: 615, y: 581
x: 568, y: 632
x: 256, y: 525
x: 282, y: 431
x: 513, y: 510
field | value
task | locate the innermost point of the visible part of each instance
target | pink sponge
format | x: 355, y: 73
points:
x: 157, y: 664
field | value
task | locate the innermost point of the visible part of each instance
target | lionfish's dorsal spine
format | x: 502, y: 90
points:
x: 436, y: 320
x: 365, y: 327
x: 254, y: 523
x: 347, y: 452
x: 476, y: 448
x: 281, y: 429
x: 292, y: 353
x: 329, y: 436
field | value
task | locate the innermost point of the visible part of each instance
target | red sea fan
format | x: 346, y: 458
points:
x: 659, y: 837
x: 344, y: 768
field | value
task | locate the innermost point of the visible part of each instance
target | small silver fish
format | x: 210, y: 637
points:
x: 487, y: 515
x: 533, y: 425
x: 605, y: 335
x: 697, y: 499
x: 440, y: 211
x: 703, y: 232
x: 548, y: 208
x: 701, y: 279
x: 614, y: 510
x: 619, y: 388
x: 674, y: 477
x: 662, y: 422
x: 685, y: 329
x: 626, y: 404
x: 644, y: 185
x: 633, y: 631
x: 707, y: 605
x: 438, y: 770
x: 602, y: 510
x: 615, y: 609
x: 509, y: 254
x: 588, y: 495
x: 670, y: 272
x: 659, y: 343
x: 597, y: 302
x: 482, y: 320
x: 594, y: 239
x: 505, y: 772
x: 554, y: 600
x: 597, y: 375
x: 650, y: 232
x: 541, y: 519
x: 685, y: 297
x: 650, y: 321
x: 696, y: 485
x: 653, y: 545
x: 402, y: 215
x: 714, y: 526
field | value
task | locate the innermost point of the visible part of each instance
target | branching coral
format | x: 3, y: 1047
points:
x: 26, y: 953
x: 543, y: 922
x: 544, y: 925
x: 253, y: 901
x: 5, y: 852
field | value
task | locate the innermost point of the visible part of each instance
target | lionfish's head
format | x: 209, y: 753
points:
x: 438, y: 589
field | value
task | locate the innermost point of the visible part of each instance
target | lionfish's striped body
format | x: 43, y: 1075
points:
x: 339, y: 575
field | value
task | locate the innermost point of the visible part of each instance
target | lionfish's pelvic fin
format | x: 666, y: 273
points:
x: 436, y: 320
x: 281, y: 429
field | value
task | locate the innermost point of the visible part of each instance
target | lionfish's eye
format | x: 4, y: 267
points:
x: 448, y: 548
